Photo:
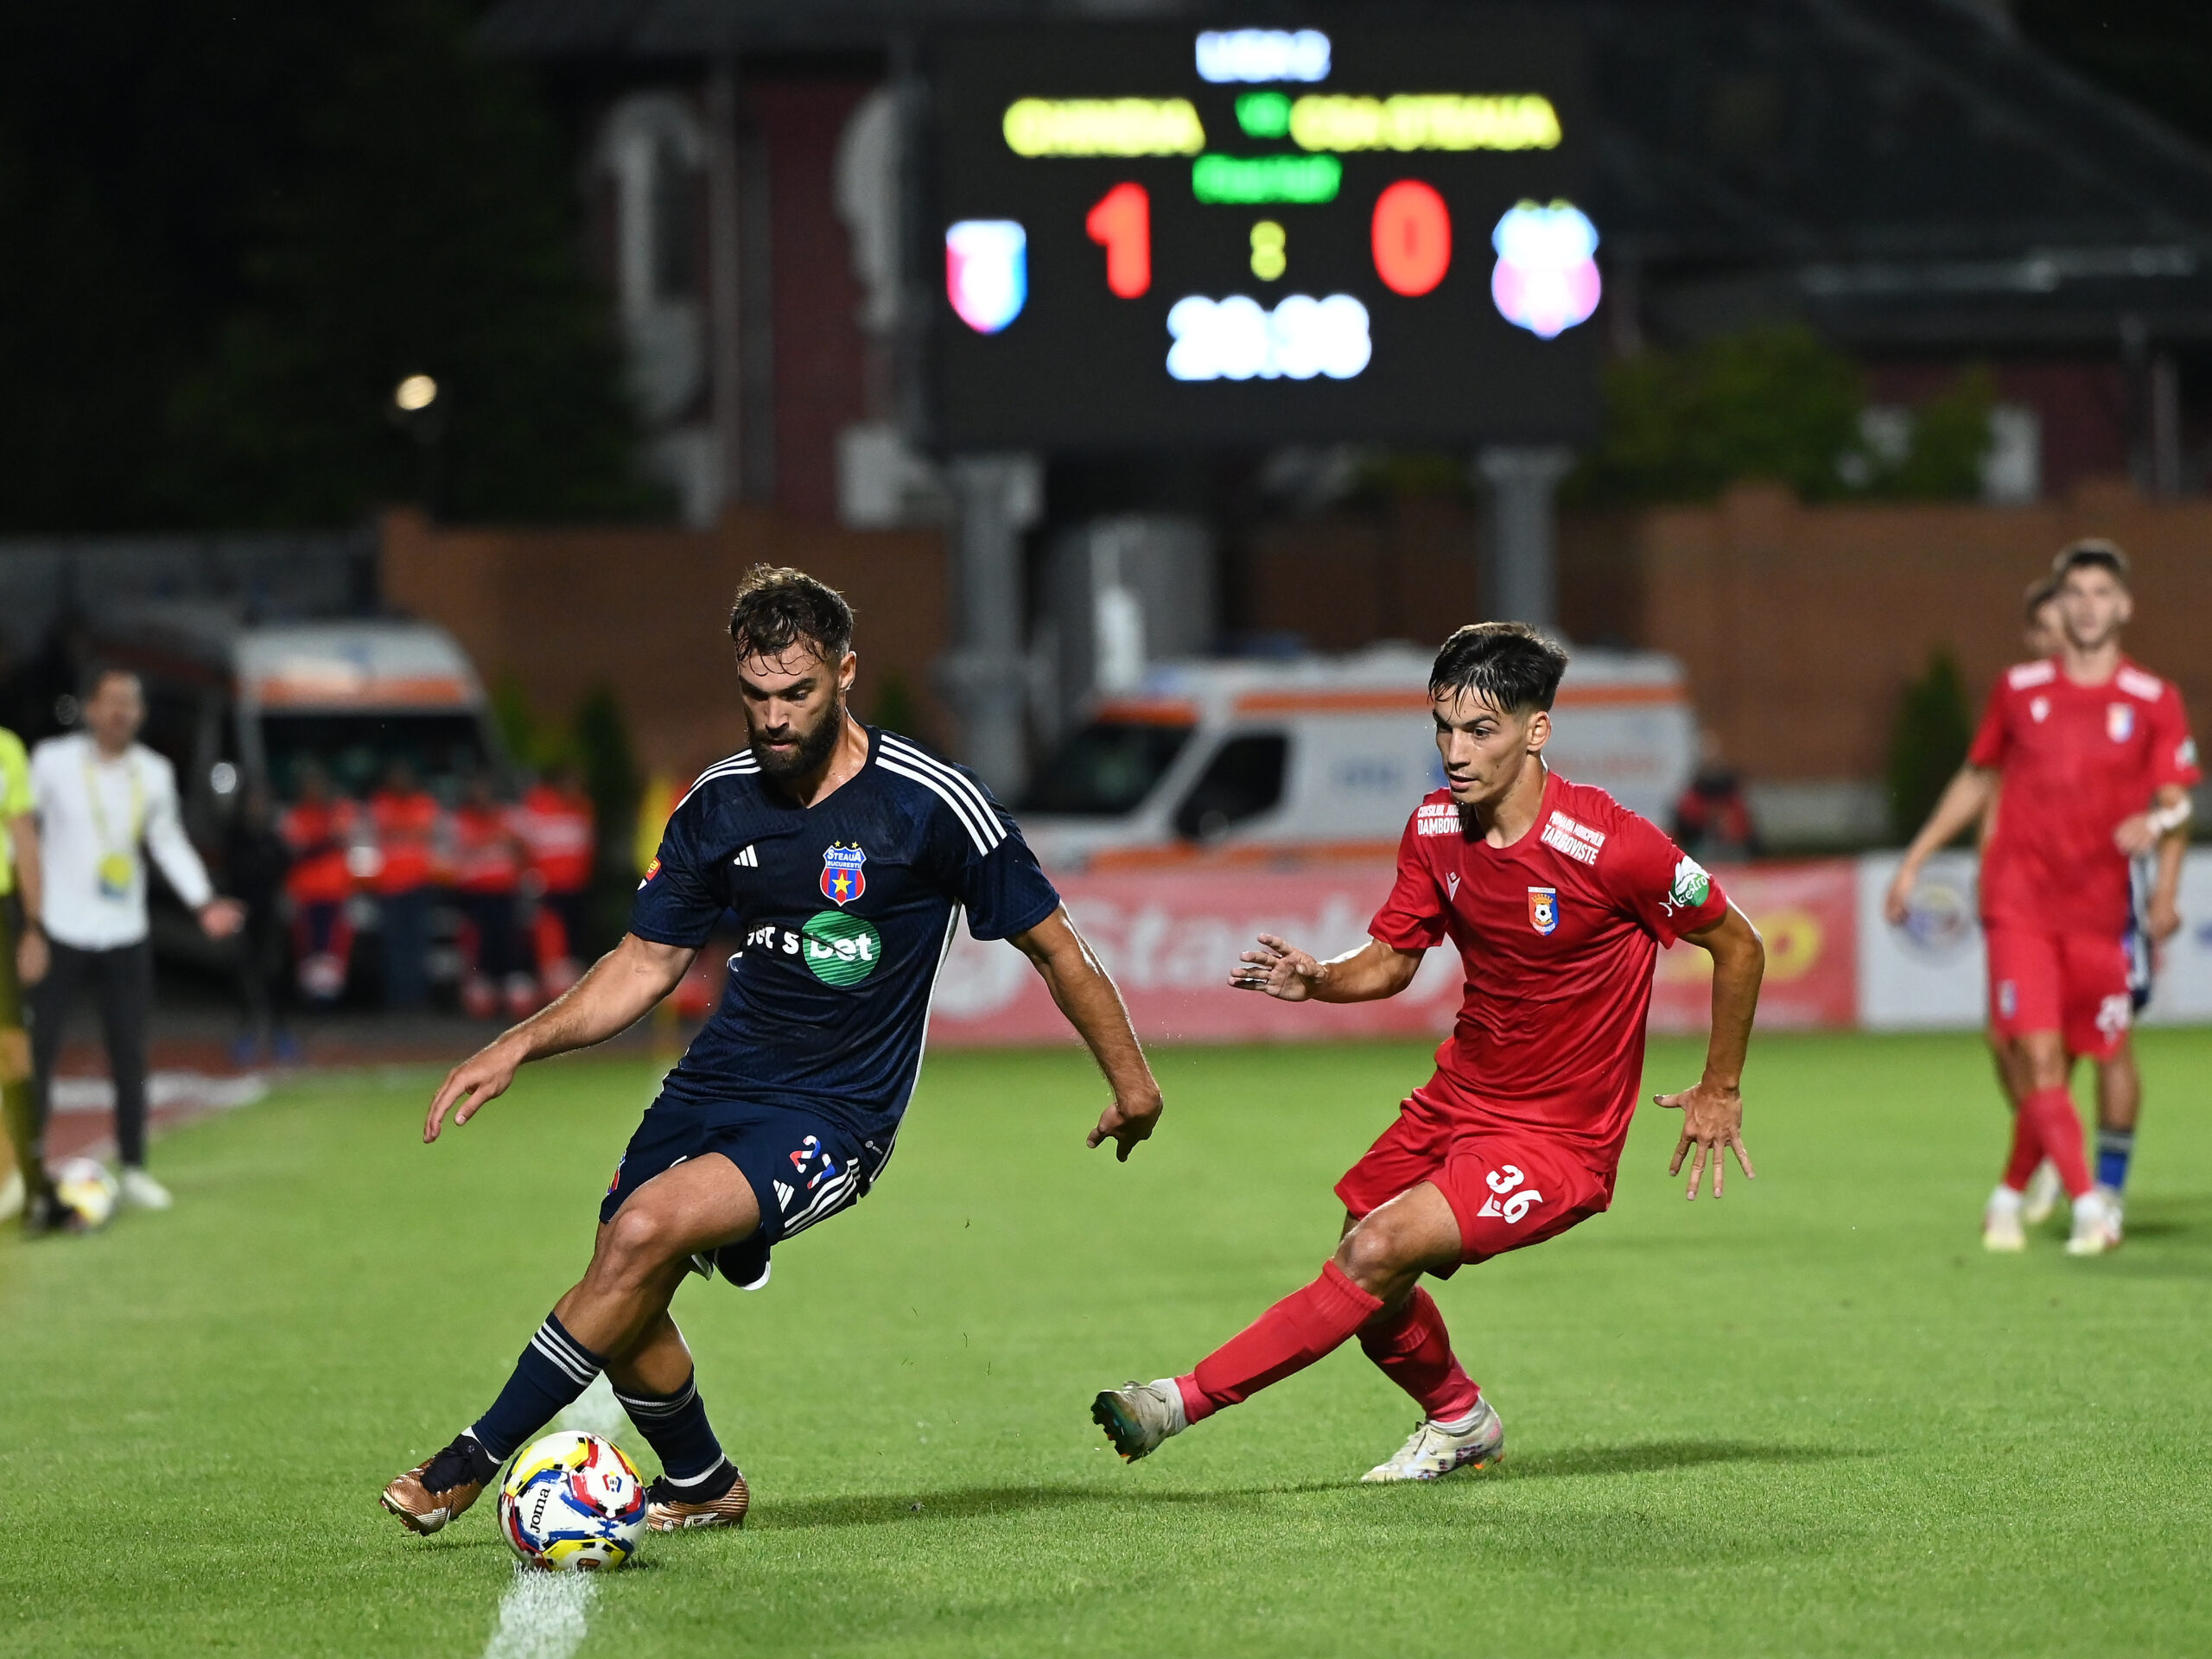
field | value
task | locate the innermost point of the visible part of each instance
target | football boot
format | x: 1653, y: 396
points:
x: 670, y: 1507
x: 1138, y: 1416
x: 2096, y: 1222
x: 2044, y: 1190
x: 430, y: 1494
x: 1434, y: 1451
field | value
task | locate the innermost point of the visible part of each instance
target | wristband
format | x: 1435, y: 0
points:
x: 2167, y: 819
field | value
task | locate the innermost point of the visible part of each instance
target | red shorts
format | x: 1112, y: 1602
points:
x: 2074, y: 983
x: 1509, y: 1188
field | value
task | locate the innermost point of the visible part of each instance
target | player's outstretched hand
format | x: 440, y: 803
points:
x: 484, y: 1076
x: 1278, y: 968
x: 1896, y: 903
x: 1126, y: 1123
x: 1712, y: 1119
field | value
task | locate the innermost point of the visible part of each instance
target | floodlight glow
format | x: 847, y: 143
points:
x: 987, y: 271
x: 1103, y: 126
x: 1263, y: 55
x: 1236, y: 339
x: 1546, y: 279
x: 1240, y: 180
x: 416, y: 393
x: 1447, y: 121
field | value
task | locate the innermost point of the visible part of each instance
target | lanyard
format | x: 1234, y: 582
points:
x: 100, y: 812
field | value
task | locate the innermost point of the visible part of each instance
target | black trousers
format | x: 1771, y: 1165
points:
x: 121, y: 982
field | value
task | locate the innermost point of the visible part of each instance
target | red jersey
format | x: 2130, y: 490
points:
x: 407, y: 836
x: 557, y: 831
x: 486, y: 857
x: 2075, y: 761
x: 319, y: 838
x: 1559, y: 933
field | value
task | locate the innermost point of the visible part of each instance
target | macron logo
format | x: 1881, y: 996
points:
x: 748, y: 859
x: 1578, y: 841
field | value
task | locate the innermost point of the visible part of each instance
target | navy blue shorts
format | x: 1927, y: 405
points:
x: 802, y: 1168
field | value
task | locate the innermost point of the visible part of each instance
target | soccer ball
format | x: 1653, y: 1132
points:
x: 87, y: 1189
x: 572, y: 1503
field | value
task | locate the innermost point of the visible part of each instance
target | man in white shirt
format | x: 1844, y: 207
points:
x: 103, y: 801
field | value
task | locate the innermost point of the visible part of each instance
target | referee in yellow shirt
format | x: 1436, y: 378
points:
x: 23, y: 1186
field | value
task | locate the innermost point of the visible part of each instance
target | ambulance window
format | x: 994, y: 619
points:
x: 1242, y: 781
x: 1106, y: 769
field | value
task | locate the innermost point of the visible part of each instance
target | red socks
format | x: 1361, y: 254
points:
x: 1290, y: 1335
x: 1415, y: 1351
x: 2047, y: 1125
x: 1411, y: 1345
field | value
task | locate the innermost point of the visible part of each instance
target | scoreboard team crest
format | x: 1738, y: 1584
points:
x: 1154, y: 235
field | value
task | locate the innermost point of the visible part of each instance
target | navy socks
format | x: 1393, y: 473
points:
x: 675, y: 1426
x: 552, y: 1372
x: 2114, y: 1148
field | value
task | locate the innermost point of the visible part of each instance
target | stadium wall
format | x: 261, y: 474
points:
x: 1833, y: 963
x: 643, y: 609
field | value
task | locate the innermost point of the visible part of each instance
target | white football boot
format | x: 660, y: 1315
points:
x: 1435, y: 1450
x: 143, y: 1191
x: 2042, y: 1195
x: 1138, y: 1416
x: 2096, y: 1222
x: 2000, y: 1223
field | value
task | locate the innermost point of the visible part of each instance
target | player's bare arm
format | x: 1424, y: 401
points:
x: 1965, y: 799
x: 620, y: 989
x: 1712, y: 1110
x: 1367, y: 974
x: 1086, y: 995
x: 2164, y: 827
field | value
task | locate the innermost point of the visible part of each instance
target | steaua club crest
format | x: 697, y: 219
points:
x: 1543, y: 909
x: 842, y: 880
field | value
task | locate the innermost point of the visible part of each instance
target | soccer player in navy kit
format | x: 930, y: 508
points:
x: 847, y: 854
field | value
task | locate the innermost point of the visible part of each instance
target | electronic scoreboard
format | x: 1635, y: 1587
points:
x: 1236, y: 237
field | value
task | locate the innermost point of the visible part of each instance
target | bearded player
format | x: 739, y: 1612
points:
x: 2090, y: 761
x: 1558, y: 898
x: 847, y: 854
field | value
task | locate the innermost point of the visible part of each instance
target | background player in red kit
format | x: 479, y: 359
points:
x: 2096, y: 762
x: 1558, y: 898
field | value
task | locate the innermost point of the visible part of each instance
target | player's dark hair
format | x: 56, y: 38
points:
x: 2040, y: 593
x: 2093, y: 552
x: 1507, y: 665
x: 96, y: 674
x: 777, y: 607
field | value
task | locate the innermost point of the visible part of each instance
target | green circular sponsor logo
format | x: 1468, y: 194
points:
x: 842, y: 950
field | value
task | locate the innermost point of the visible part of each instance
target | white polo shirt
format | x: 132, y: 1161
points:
x: 95, y: 816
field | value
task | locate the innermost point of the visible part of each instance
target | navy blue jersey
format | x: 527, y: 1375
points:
x: 847, y: 908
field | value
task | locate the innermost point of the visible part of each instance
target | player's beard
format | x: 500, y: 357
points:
x: 812, y: 752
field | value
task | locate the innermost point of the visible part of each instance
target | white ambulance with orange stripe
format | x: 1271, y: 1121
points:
x: 1262, y: 762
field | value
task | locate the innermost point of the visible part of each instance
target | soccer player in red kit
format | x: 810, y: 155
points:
x: 1558, y: 898
x: 2096, y: 762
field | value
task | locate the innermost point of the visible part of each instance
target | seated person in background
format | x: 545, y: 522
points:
x: 487, y: 860
x: 406, y: 818
x: 319, y: 828
x: 557, y: 826
x: 1712, y: 820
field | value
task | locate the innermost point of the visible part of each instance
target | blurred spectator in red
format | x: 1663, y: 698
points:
x: 487, y: 863
x: 319, y: 828
x: 555, y: 822
x: 1712, y: 820
x: 256, y: 860
x: 405, y: 818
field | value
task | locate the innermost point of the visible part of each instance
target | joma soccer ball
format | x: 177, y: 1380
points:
x: 85, y: 1187
x: 572, y: 1503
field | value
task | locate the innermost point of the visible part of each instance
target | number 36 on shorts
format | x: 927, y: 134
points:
x: 1510, y: 1199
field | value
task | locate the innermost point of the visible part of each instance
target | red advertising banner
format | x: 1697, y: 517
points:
x: 1169, y: 936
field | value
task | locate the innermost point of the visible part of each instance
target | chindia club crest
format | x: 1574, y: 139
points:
x: 842, y: 880
x: 1543, y: 909
x: 2120, y: 721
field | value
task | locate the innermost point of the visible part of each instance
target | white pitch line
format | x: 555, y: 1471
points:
x: 542, y: 1615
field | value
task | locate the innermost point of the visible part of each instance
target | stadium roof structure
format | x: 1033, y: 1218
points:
x: 1902, y: 174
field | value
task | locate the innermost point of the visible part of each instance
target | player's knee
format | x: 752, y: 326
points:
x: 636, y: 1241
x: 1374, y: 1254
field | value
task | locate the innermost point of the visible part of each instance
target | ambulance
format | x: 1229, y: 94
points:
x: 1322, y: 758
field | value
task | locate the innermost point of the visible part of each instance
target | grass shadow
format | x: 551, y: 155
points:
x: 971, y: 1503
x: 2178, y: 1220
x: 1656, y: 1457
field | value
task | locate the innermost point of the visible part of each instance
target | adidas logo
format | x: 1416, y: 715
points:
x: 749, y: 859
x: 784, y: 1195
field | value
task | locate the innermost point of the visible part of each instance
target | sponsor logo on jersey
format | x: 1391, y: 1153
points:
x: 651, y: 870
x: 2039, y: 709
x: 841, y: 878
x: 1543, y: 909
x: 840, y: 949
x: 1691, y: 886
x: 1437, y: 818
x: 1578, y: 841
x: 2120, y: 722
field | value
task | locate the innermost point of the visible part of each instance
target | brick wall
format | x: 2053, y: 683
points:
x: 644, y: 609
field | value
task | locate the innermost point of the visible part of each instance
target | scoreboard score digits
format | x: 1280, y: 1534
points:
x: 1245, y: 237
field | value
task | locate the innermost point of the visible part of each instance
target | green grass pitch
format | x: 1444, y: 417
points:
x: 1812, y: 1419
